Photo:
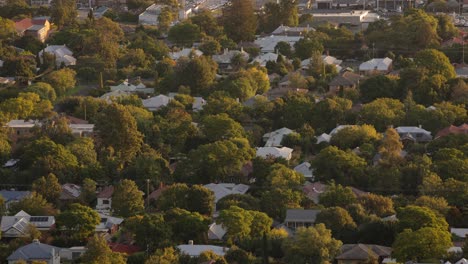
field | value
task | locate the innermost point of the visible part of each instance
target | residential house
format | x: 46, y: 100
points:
x: 70, y: 192
x: 222, y: 190
x: 82, y: 130
x: 274, y: 152
x: 124, y: 248
x: 156, y: 102
x: 46, y: 3
x: 108, y: 97
x: 11, y: 163
x: 198, y: 102
x: 461, y: 70
x: 17, y: 225
x: 195, y: 250
x: 224, y: 60
x: 268, y: 44
x: 149, y: 17
x: 37, y: 27
x: 324, y: 137
x: 7, y: 80
x: 21, y: 128
x: 359, y: 19
x: 100, y: 11
x: 109, y: 224
x: 104, y: 199
x: 72, y: 253
x: 36, y: 251
x: 216, y: 231
x: 459, y: 232
x: 306, y: 170
x: 262, y: 59
x: 63, y: 55
x: 185, y: 52
x: 12, y: 196
x: 300, y: 218
x: 314, y: 190
x: 414, y: 134
x: 376, y: 66
x: 452, y: 130
x: 344, y: 81
x: 274, y: 139
x: 360, y: 253
x: 326, y: 59
x: 125, y: 86
x: 291, y: 31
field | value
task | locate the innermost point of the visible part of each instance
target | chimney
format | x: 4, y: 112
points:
x: 420, y: 126
x: 36, y: 241
x: 226, y: 50
x: 190, y: 242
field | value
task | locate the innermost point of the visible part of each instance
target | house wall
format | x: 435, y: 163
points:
x: 104, y: 204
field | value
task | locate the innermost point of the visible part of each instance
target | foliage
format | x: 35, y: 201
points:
x: 415, y: 217
x: 150, y: 231
x: 63, y: 12
x: 34, y: 204
x: 78, y: 221
x: 194, y: 199
x: 99, y: 252
x: 49, y: 187
x: 242, y: 224
x: 377, y: 204
x: 337, y: 220
x: 382, y: 112
x: 337, y: 195
x: 244, y: 201
x: 164, y: 256
x: 354, y: 136
x: 61, y: 80
x: 186, y: 225
x: 435, y: 62
x: 380, y: 86
x: 184, y: 34
x: 127, y: 199
x: 239, y: 20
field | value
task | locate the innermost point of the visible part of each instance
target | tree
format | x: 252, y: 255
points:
x: 437, y: 204
x: 127, y: 199
x: 338, y: 221
x: 239, y: 20
x: 380, y: 86
x: 329, y: 112
x: 88, y: 191
x: 164, y: 256
x: 150, y: 231
x: 435, y: 62
x: 194, y: 199
x: 61, y: 80
x: 451, y: 163
x: 186, y: 225
x: 377, y: 204
x: 78, y: 221
x: 284, y: 49
x: 63, y: 12
x: 242, y: 224
x: 198, y: 73
x: 354, y: 136
x: 44, y: 90
x: 147, y: 165
x: 83, y: 149
x: 221, y: 127
x: 337, y: 195
x: 210, y: 47
x: 165, y: 19
x: 382, y: 113
x: 48, y: 187
x: 98, y: 252
x: 416, y: 217
x: 244, y: 201
x: 117, y: 128
x: 311, y: 245
x: 445, y: 27
x: 306, y: 47
x: 34, y: 204
x: 391, y: 147
x: 7, y: 28
x: 184, y: 34
x: 424, y: 244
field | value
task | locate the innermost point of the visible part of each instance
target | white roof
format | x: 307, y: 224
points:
x: 156, y: 102
x: 107, y: 222
x: 264, y: 58
x: 455, y: 250
x: 268, y: 44
x: 23, y: 123
x: 227, y: 56
x: 338, y: 128
x: 459, y: 232
x: 462, y: 261
x: 216, y: 231
x: 329, y: 60
x: 114, y: 94
x: 62, y: 54
x: 406, y: 129
x: 285, y: 29
x: 72, y: 189
x: 198, y: 102
x: 305, y: 169
x: 376, y: 64
x: 184, y: 53
x: 196, y: 250
x: 275, y: 152
x: 20, y: 222
x: 273, y: 139
x: 221, y: 190
x: 323, y: 138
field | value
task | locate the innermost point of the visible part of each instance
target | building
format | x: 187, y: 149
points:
x: 268, y: 44
x: 453, y: 130
x: 376, y: 66
x: 222, y: 190
x: 125, y: 86
x: 344, y: 81
x: 224, y: 60
x: 149, y: 17
x: 356, y: 18
x: 195, y: 250
x: 314, y: 190
x: 37, y: 27
x: 12, y: 196
x: 300, y: 218
x: 17, y: 225
x: 156, y: 102
x: 326, y: 59
x: 104, y: 199
x: 291, y: 31
x: 274, y: 139
x: 46, y: 3
x: 306, y: 170
x: 262, y: 59
x: 70, y: 192
x: 359, y: 253
x: 216, y: 232
x: 185, y: 52
x: 109, y: 224
x: 415, y: 134
x: 114, y: 95
x: 274, y: 152
x: 36, y: 251
x: 63, y: 55
x: 21, y: 128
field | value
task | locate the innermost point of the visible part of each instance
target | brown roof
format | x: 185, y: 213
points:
x: 23, y: 24
x: 74, y: 120
x: 463, y: 129
x: 154, y: 195
x: 345, y: 79
x: 363, y: 252
x: 106, y: 192
x: 122, y: 248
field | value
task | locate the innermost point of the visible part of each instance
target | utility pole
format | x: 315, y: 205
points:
x: 147, y: 193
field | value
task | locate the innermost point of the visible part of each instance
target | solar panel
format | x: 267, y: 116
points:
x: 38, y: 219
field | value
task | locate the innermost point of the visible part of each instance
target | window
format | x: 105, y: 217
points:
x: 105, y: 201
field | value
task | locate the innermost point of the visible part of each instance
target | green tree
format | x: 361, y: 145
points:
x: 49, y: 187
x: 164, y: 256
x: 427, y: 243
x: 150, y: 231
x: 416, y: 217
x: 239, y: 20
x: 221, y: 127
x: 380, y: 86
x: 244, y: 201
x: 83, y: 149
x: 354, y: 136
x: 61, y: 80
x: 329, y: 112
x: 391, y: 147
x: 437, y: 204
x: 186, y: 225
x: 242, y: 224
x: 284, y: 49
x: 127, y: 199
x: 337, y: 195
x: 306, y: 47
x: 382, y: 113
x: 210, y: 47
x: 78, y: 221
x: 451, y: 163
x: 337, y: 220
x: 165, y: 19
x: 435, y: 62
x: 34, y: 204
x: 88, y: 191
x: 377, y: 204
x: 44, y: 90
x: 312, y: 244
x: 147, y: 165
x: 99, y: 252
x: 194, y: 199
x: 7, y: 28
x: 445, y: 27
x: 63, y: 12
x: 198, y: 73
x: 184, y: 34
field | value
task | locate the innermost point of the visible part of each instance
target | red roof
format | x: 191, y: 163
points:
x: 122, y: 248
x: 23, y: 24
x: 463, y: 129
x: 157, y: 193
x: 106, y: 192
x: 74, y: 120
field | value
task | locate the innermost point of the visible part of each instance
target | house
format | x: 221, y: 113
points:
x: 452, y: 130
x: 12, y: 196
x: 195, y: 250
x: 156, y: 102
x: 306, y: 170
x: 11, y: 163
x: 7, y: 80
x: 414, y: 134
x: 376, y: 66
x: 124, y: 248
x: 300, y: 217
x: 459, y: 232
x: 37, y: 27
x: 268, y: 44
x: 17, y: 225
x: 72, y: 253
x: 216, y: 232
x: 222, y: 190
x: 274, y: 152
x: 326, y: 59
x: 291, y: 31
x: 314, y: 190
x: 36, y: 251
x: 274, y: 139
x: 185, y: 52
x: 262, y: 59
x: 324, y: 137
x: 82, y: 130
x: 21, y: 128
x: 224, y: 60
x: 198, y: 102
x: 109, y: 224
x: 359, y: 19
x: 63, y: 55
x: 114, y: 95
x: 344, y: 81
x: 461, y: 71
x: 46, y: 3
x: 358, y: 253
x: 125, y: 86
x: 149, y: 17
x: 104, y: 199
x: 70, y: 192
x: 100, y: 11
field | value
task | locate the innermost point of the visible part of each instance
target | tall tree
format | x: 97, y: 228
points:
x: 127, y: 199
x: 391, y: 147
x: 435, y: 62
x: 34, y: 204
x: 49, y: 187
x: 337, y: 195
x: 63, y: 12
x: 239, y: 20
x: 98, y: 252
x: 78, y: 221
x: 61, y: 80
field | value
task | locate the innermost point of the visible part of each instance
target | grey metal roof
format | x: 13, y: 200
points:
x: 35, y: 250
x: 13, y: 195
x: 301, y: 215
